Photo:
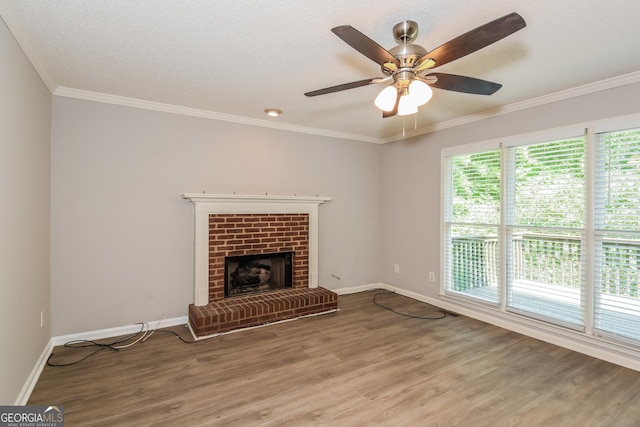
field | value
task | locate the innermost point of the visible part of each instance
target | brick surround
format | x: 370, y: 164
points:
x: 232, y: 234
x: 256, y: 234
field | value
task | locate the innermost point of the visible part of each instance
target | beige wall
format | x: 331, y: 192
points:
x: 25, y: 112
x: 122, y: 237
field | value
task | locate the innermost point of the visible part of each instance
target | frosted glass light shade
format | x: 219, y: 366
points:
x: 386, y: 99
x: 420, y: 92
x: 407, y: 106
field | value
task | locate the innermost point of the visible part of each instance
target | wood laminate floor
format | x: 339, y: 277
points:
x: 361, y: 366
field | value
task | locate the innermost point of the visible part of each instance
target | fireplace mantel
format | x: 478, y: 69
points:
x: 259, y: 199
x: 207, y: 204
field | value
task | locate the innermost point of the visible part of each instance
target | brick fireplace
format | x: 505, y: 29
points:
x: 234, y: 226
x: 253, y: 234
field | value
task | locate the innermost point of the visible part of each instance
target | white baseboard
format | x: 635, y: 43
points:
x: 117, y: 331
x: 29, y: 385
x: 363, y: 288
x: 591, y: 346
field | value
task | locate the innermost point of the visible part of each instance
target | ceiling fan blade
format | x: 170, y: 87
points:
x: 364, y: 45
x: 343, y: 86
x: 461, y: 83
x: 393, y: 112
x: 475, y: 39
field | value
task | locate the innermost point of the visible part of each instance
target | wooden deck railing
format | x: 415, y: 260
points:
x: 621, y: 267
x: 475, y: 262
x: 548, y: 259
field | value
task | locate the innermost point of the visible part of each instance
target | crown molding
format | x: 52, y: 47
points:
x: 587, y: 89
x: 194, y: 112
x: 206, y: 114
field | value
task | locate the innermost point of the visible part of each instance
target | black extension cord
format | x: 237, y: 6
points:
x: 376, y: 302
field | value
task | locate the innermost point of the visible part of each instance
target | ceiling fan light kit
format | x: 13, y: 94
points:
x: 386, y: 99
x: 406, y: 107
x: 419, y: 92
x: 404, y: 64
x: 415, y: 95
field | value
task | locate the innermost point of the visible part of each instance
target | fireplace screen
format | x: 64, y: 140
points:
x: 257, y: 273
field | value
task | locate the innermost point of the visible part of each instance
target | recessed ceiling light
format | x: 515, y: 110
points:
x: 273, y: 112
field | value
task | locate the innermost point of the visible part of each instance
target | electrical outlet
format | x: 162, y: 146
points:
x: 42, y: 319
x: 432, y: 276
x: 396, y: 268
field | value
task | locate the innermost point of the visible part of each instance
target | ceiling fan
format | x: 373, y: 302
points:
x: 404, y: 64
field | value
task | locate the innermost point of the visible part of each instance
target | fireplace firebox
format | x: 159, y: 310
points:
x: 250, y: 274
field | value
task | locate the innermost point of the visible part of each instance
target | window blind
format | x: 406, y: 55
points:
x: 617, y: 255
x: 546, y: 228
x: 533, y: 202
x: 472, y: 219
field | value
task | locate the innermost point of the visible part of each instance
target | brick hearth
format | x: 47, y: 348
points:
x: 254, y: 310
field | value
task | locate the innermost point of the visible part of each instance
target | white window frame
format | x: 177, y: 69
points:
x: 590, y: 130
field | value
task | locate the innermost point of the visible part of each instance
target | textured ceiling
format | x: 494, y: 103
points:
x: 230, y: 60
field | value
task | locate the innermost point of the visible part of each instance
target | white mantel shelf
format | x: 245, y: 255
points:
x: 266, y: 198
x: 207, y: 204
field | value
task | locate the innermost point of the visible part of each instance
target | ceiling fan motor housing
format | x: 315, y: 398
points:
x: 405, y: 52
